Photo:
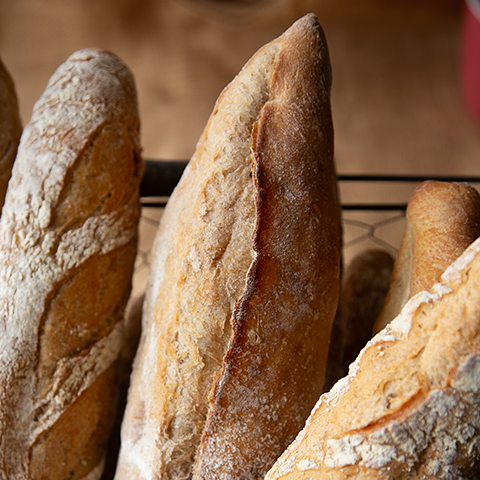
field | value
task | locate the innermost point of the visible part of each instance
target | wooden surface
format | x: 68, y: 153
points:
x: 397, y: 101
x: 396, y: 96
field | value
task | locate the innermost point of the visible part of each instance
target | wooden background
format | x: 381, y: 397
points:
x: 397, y: 101
x: 397, y: 98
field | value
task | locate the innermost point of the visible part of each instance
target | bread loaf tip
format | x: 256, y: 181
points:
x: 409, y: 407
x: 245, y: 278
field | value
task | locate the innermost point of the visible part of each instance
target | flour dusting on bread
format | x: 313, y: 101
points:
x: 410, y: 403
x: 224, y: 238
x: 84, y: 124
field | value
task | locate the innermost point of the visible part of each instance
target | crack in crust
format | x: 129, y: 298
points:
x: 217, y: 260
x: 432, y: 430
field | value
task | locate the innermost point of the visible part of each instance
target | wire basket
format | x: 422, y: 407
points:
x: 367, y: 224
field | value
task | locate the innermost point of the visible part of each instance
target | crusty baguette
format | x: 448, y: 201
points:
x: 245, y: 280
x: 410, y: 407
x: 365, y: 285
x: 442, y: 220
x: 68, y: 238
x: 10, y: 129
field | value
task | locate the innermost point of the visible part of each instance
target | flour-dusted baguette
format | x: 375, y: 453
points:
x: 365, y: 285
x: 410, y: 407
x: 245, y: 279
x: 68, y: 238
x: 442, y: 220
x: 10, y: 129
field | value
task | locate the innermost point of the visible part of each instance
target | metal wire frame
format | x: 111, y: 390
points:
x: 369, y: 219
x: 161, y: 177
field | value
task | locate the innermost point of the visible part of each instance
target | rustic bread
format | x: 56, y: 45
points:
x: 443, y: 219
x: 410, y: 407
x: 365, y: 285
x: 68, y: 238
x: 245, y: 279
x: 10, y: 129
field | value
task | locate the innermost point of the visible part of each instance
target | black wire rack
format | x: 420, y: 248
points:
x: 161, y: 177
x: 367, y: 224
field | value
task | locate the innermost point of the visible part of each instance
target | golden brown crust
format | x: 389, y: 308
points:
x: 410, y: 405
x: 443, y: 219
x: 365, y: 286
x: 78, y: 440
x: 10, y: 129
x: 68, y: 237
x: 274, y: 367
x: 282, y: 284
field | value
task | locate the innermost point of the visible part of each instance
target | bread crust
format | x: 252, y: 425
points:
x: 10, y: 129
x: 246, y: 277
x: 68, y: 238
x: 365, y: 284
x: 274, y: 367
x: 443, y: 219
x: 410, y: 405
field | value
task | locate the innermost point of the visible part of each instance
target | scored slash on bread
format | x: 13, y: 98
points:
x: 409, y: 407
x: 244, y: 280
x: 68, y: 240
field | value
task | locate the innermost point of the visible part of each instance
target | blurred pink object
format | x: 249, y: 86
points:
x: 471, y: 57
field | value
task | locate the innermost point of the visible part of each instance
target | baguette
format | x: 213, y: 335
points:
x: 245, y: 278
x: 365, y: 286
x: 410, y: 407
x: 68, y: 238
x: 442, y: 220
x: 10, y: 129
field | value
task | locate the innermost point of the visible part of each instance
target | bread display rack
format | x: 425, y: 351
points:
x: 364, y: 222
x: 161, y: 177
